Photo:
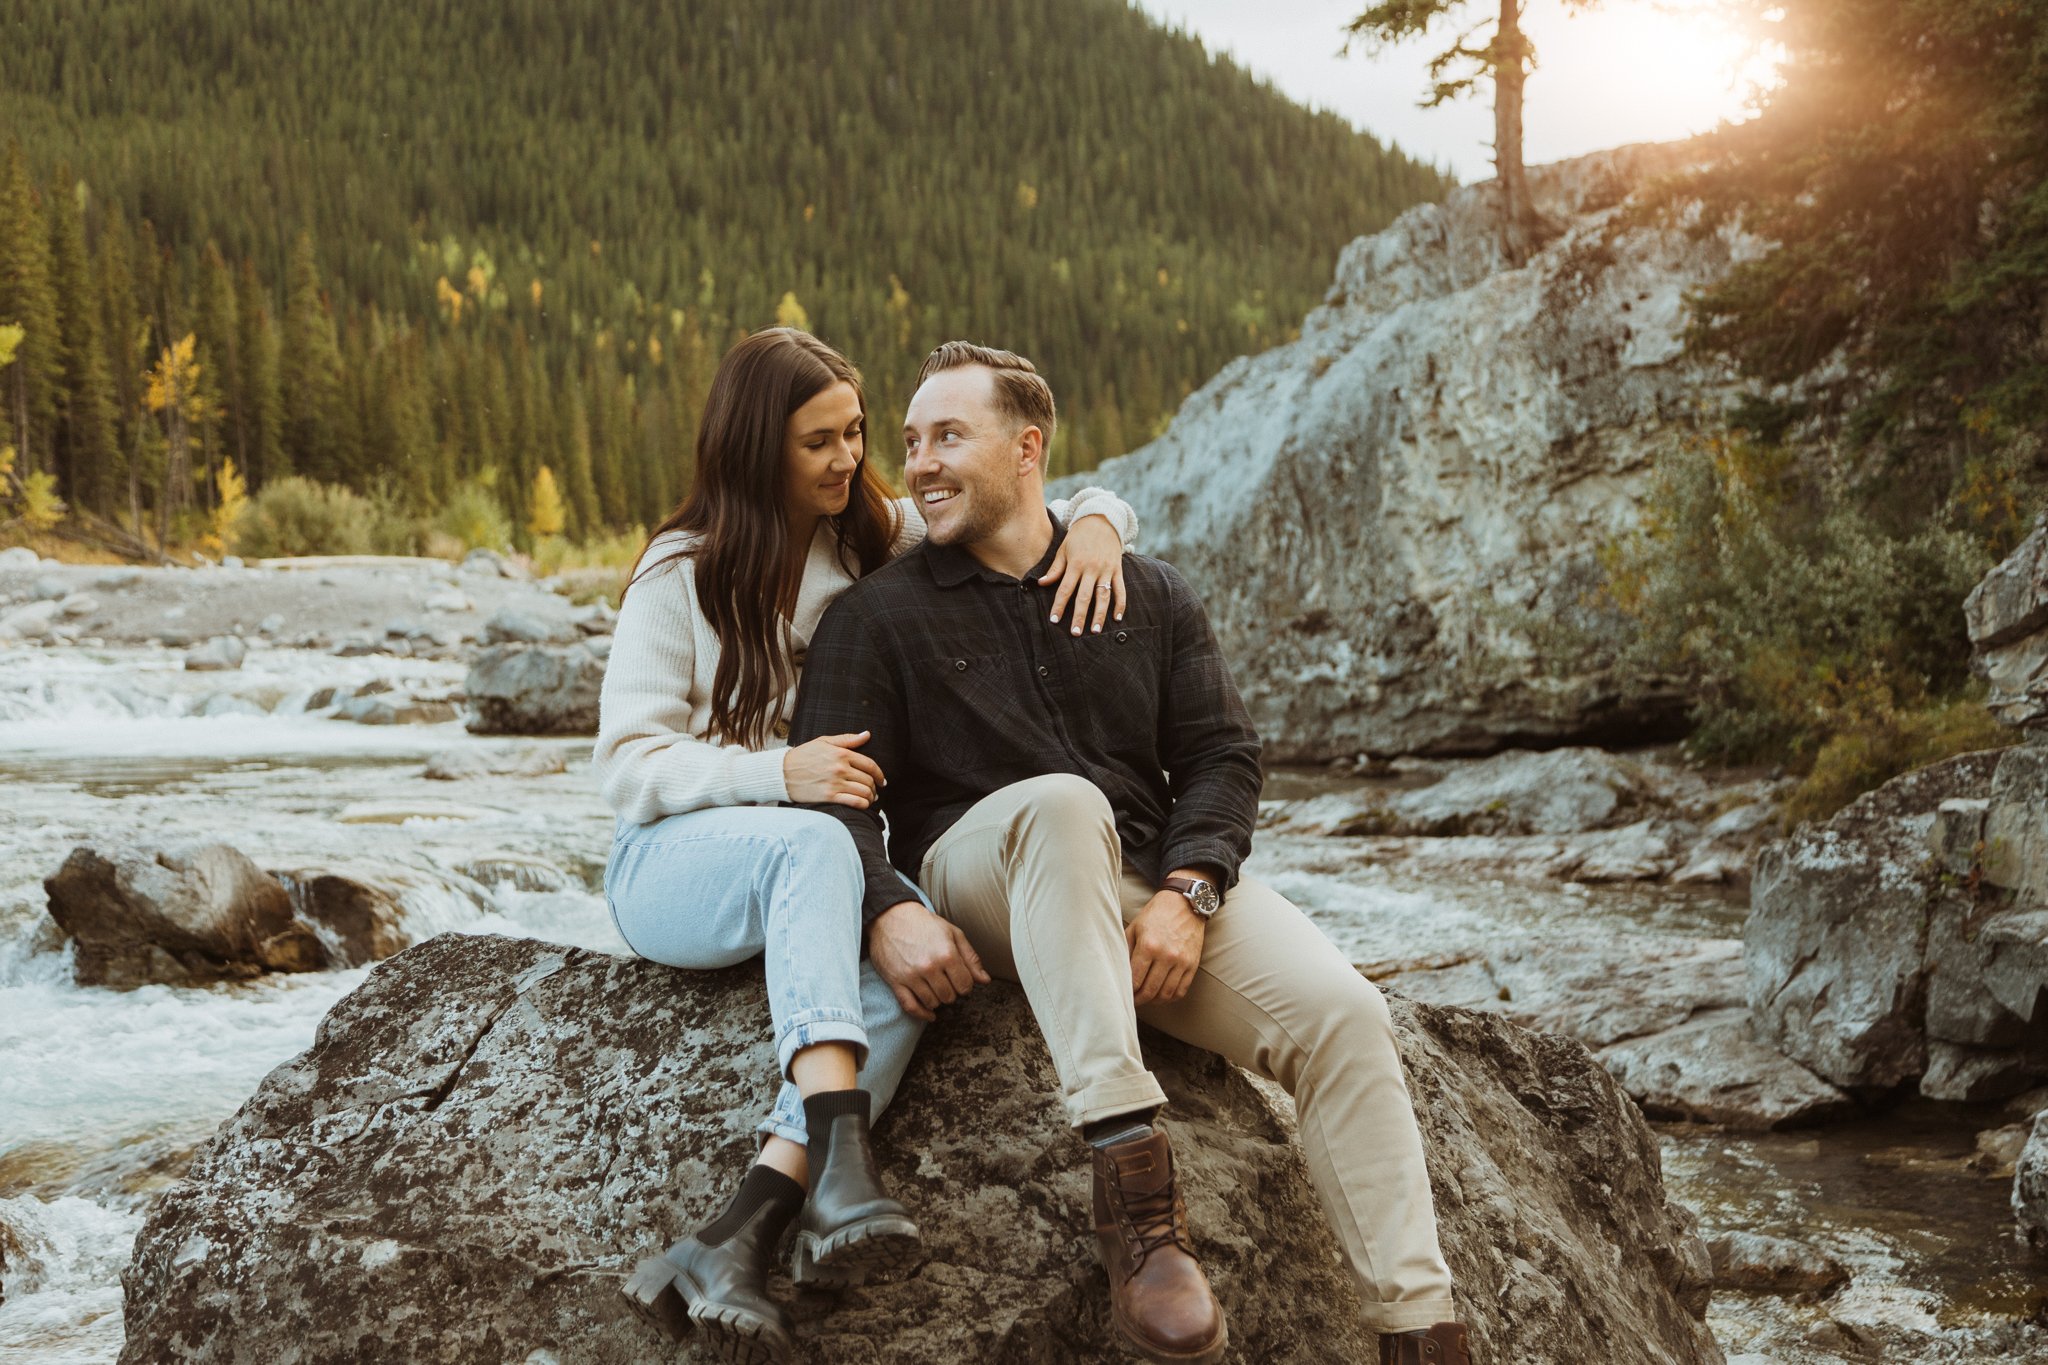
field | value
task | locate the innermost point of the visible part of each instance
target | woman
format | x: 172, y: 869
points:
x: 707, y: 870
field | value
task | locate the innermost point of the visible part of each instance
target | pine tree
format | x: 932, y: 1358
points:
x: 88, y: 461
x: 27, y: 299
x: 260, y: 433
x: 309, y: 372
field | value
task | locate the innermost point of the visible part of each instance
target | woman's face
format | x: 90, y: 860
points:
x: 822, y: 447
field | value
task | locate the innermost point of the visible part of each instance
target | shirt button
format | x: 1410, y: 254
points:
x: 1123, y: 637
x: 1044, y: 672
x: 959, y: 665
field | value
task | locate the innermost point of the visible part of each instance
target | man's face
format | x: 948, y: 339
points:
x: 963, y: 460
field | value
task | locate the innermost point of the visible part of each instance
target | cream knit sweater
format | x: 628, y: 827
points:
x: 655, y: 756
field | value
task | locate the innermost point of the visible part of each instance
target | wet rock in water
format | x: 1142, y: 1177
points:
x: 179, y: 916
x: 508, y: 626
x: 491, y: 563
x: 487, y: 1133
x: 396, y: 708
x: 78, y: 604
x: 462, y: 765
x: 534, y: 690
x: 447, y: 599
x: 49, y: 588
x: 367, y: 910
x: 1755, y: 1263
x: 1563, y: 791
x: 220, y: 654
x: 2030, y: 1185
x: 1643, y: 852
x: 595, y: 618
x: 1665, y: 1018
x: 520, y: 871
x: 358, y: 646
x: 1998, y: 1150
x: 19, y: 557
x: 31, y: 622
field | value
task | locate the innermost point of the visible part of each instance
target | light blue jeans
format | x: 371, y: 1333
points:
x: 714, y: 887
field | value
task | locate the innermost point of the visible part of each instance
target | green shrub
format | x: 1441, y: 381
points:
x: 474, y: 517
x: 1879, y: 747
x: 297, y: 516
x: 1790, y: 608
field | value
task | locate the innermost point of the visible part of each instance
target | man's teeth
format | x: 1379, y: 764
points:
x: 938, y: 495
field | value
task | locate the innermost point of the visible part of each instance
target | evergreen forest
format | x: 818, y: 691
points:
x: 420, y: 253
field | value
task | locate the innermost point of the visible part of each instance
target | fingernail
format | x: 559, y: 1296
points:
x: 1098, y: 630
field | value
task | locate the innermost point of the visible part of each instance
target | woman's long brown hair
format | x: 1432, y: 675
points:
x: 745, y: 566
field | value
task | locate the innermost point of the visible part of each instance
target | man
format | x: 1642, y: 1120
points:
x: 1078, y: 804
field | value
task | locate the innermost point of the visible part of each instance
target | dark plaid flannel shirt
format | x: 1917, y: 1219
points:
x: 968, y: 688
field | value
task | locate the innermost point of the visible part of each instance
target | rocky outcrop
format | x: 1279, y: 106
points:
x: 1906, y: 940
x: 188, y: 916
x: 1666, y: 1019
x: 535, y: 690
x: 2007, y: 615
x: 1396, y: 520
x: 1750, y: 1262
x: 488, y: 1130
x: 2030, y: 1185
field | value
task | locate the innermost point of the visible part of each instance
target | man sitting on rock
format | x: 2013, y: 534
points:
x: 1078, y: 805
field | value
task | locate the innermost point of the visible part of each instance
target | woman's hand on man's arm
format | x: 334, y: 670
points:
x: 828, y: 770
x: 1089, y: 568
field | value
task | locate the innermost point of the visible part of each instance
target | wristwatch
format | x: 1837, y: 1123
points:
x: 1201, y: 895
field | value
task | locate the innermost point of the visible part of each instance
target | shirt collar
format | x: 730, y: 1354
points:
x: 952, y: 565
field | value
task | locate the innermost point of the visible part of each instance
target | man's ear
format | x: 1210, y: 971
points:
x: 1030, y: 450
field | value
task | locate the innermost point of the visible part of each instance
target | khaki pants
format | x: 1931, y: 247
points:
x: 1033, y: 876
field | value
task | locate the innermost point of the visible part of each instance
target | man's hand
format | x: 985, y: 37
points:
x: 1166, y: 947
x: 924, y: 957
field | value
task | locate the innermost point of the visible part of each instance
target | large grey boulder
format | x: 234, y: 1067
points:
x: 141, y: 915
x: 487, y: 1132
x: 534, y: 690
x: 1665, y: 1018
x: 2007, y: 615
x: 1396, y: 521
x: 1903, y: 941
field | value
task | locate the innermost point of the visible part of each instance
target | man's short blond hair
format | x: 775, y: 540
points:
x: 1021, y: 391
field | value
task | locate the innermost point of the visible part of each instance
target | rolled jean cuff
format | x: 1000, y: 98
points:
x: 1410, y: 1315
x: 1107, y: 1099
x: 813, y: 1027
x: 774, y: 1126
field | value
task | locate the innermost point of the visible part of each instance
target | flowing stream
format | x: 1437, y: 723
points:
x: 104, y: 1094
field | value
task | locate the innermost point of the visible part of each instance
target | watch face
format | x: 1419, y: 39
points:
x: 1205, y: 899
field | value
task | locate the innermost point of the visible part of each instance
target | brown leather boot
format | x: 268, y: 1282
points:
x: 1443, y: 1344
x: 1158, y: 1296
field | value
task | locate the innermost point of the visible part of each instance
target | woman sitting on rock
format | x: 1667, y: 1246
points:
x: 708, y: 870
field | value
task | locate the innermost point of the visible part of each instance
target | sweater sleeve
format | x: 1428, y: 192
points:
x: 1089, y: 502
x: 1100, y: 502
x: 647, y: 763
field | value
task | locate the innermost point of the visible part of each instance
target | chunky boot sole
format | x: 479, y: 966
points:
x: 651, y: 1290
x: 1136, y: 1344
x: 873, y: 1249
x: 675, y: 1305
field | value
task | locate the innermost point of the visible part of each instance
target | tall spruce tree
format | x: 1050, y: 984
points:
x: 309, y: 372
x: 87, y: 458
x: 34, y: 381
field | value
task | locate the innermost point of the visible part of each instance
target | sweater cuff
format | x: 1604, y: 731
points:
x: 1102, y: 502
x: 758, y: 779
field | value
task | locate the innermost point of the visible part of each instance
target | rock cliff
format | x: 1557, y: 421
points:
x: 1396, y: 520
x: 487, y: 1131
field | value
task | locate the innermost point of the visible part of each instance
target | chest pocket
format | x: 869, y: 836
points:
x: 971, y: 690
x: 1121, y: 670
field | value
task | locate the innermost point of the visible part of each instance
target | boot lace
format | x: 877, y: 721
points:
x: 1150, y: 1221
